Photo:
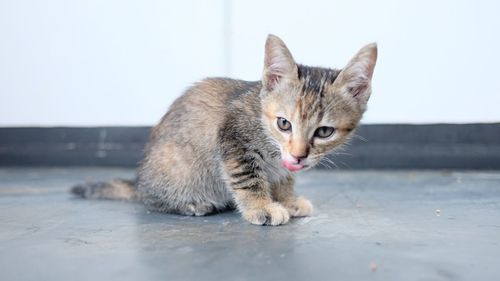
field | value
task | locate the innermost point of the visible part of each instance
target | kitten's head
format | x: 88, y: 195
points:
x: 310, y: 111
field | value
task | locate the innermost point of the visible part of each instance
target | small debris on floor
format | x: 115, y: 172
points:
x: 373, y: 266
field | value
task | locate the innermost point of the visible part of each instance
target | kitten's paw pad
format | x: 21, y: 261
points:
x: 198, y: 209
x: 271, y: 214
x: 301, y: 207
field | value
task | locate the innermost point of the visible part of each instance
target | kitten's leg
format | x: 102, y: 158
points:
x: 296, y: 206
x: 252, y: 194
x: 258, y: 208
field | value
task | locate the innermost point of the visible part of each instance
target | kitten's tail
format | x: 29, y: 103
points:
x: 118, y: 189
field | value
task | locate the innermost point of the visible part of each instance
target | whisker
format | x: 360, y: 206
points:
x: 341, y: 153
x: 330, y: 161
x: 360, y: 138
x: 325, y: 164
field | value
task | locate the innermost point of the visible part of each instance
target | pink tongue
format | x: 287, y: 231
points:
x: 292, y: 167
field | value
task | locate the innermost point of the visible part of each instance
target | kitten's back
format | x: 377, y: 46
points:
x: 203, y: 106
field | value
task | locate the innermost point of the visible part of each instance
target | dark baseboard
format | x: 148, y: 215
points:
x: 439, y: 146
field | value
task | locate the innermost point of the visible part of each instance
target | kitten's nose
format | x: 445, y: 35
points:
x: 299, y: 158
x: 299, y: 150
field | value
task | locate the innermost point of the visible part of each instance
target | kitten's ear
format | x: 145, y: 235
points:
x: 356, y: 77
x: 279, y: 65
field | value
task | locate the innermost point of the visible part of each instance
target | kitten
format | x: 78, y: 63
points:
x: 231, y: 143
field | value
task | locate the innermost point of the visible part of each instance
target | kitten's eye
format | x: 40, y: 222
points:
x: 324, y: 132
x: 284, y: 124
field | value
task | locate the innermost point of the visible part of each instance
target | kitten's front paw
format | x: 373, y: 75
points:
x: 270, y: 214
x: 301, y: 207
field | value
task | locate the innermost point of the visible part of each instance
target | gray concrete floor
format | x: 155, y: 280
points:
x: 367, y: 225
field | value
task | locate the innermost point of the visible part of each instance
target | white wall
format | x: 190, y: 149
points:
x: 117, y: 62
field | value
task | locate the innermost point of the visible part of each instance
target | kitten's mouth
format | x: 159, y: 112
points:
x: 293, y: 167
